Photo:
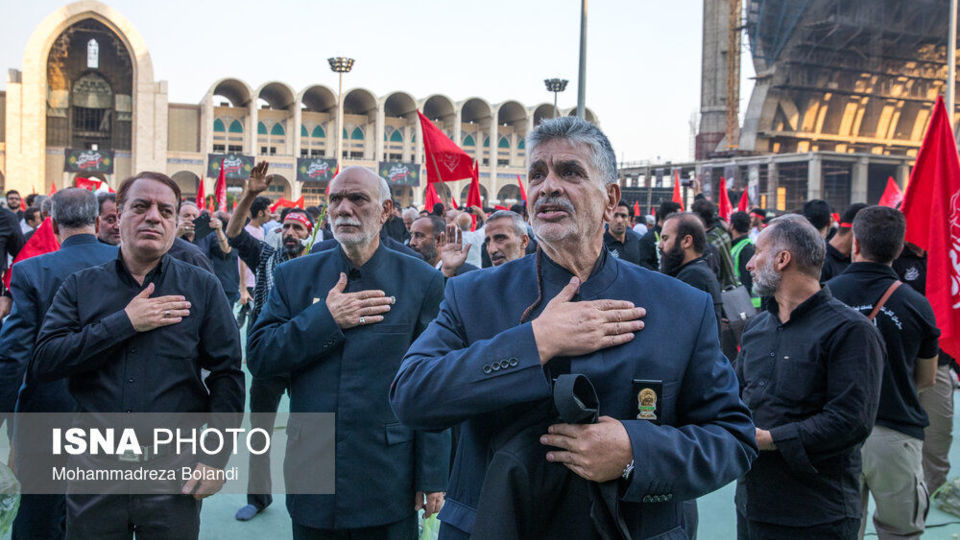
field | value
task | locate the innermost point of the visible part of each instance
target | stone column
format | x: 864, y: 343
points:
x: 253, y: 147
x: 858, y: 183
x: 903, y: 174
x: 815, y: 177
x: 379, y: 154
x: 773, y: 182
x: 296, y: 141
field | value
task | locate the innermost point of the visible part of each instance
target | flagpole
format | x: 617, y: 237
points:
x: 581, y: 83
x: 951, y: 61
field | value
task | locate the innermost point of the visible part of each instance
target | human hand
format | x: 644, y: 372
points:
x: 596, y: 452
x: 568, y: 328
x: 433, y: 504
x: 185, y: 227
x: 210, y: 482
x: 216, y: 224
x: 765, y: 440
x: 259, y: 181
x: 245, y: 297
x: 6, y: 304
x: 147, y: 313
x: 357, y: 308
x: 453, y: 252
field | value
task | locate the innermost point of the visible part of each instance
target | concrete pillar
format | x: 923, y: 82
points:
x: 252, y: 146
x: 493, y: 147
x: 418, y: 155
x: 296, y: 141
x: 773, y: 182
x: 457, y: 130
x: 815, y: 177
x: 858, y: 184
x: 903, y: 175
x: 379, y: 128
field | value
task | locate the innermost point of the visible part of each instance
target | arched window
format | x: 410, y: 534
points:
x: 357, y: 134
x: 522, y: 145
x: 303, y: 131
x: 468, y: 141
x: 396, y: 136
x: 278, y: 130
x: 318, y: 132
x: 218, y: 126
x: 504, y: 143
x: 486, y: 142
x: 345, y: 136
x: 236, y: 127
x: 261, y: 128
x: 93, y: 54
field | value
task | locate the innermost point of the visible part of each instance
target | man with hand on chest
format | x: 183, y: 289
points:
x: 338, y: 323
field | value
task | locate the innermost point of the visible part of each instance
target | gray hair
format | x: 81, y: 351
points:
x: 45, y: 204
x: 384, y: 190
x: 189, y: 203
x: 74, y: 208
x: 519, y: 225
x: 793, y: 233
x: 411, y: 213
x: 577, y: 130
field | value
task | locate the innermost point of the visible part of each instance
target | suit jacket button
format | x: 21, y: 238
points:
x: 495, y: 366
x: 513, y: 362
x: 504, y: 364
x: 487, y: 369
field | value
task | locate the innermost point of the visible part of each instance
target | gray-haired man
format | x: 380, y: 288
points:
x: 506, y: 237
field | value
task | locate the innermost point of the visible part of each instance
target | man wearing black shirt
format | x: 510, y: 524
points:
x: 810, y: 371
x: 222, y: 258
x: 892, y: 454
x: 682, y: 241
x: 839, y: 246
x: 742, y: 250
x: 649, y: 254
x: 133, y: 335
x: 619, y: 238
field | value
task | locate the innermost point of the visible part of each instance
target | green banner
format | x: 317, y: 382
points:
x: 83, y: 160
x: 400, y: 174
x: 237, y: 166
x: 315, y: 169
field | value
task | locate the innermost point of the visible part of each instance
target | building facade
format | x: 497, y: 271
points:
x: 85, y: 104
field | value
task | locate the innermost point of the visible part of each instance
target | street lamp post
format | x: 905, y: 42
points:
x: 340, y: 65
x: 556, y: 86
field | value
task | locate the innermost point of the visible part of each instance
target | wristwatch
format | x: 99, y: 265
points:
x: 627, y: 471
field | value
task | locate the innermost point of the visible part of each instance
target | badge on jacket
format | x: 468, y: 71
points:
x: 648, y: 393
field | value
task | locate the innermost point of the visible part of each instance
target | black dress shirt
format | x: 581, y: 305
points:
x: 814, y: 383
x: 909, y: 331
x: 628, y: 250
x: 648, y: 249
x: 225, y: 266
x: 87, y: 337
x: 11, y: 238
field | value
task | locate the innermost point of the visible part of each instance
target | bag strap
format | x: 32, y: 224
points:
x: 883, y: 299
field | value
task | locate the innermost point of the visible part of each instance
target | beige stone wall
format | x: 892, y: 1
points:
x: 183, y: 128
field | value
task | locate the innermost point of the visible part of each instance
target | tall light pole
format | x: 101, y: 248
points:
x: 556, y: 86
x: 951, y: 60
x: 340, y: 65
x: 582, y: 81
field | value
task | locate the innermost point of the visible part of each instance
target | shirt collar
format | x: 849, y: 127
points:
x: 604, y: 273
x: 152, y: 276
x: 871, y: 268
x: 821, y: 297
x: 79, y: 239
x: 375, y: 261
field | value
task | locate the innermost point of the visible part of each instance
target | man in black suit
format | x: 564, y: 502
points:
x: 440, y: 245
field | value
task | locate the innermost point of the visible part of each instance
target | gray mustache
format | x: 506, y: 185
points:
x: 346, y: 221
x: 553, y: 200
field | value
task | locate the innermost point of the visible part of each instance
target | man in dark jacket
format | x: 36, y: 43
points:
x: 649, y: 254
x: 840, y: 245
x: 620, y: 239
x: 682, y: 241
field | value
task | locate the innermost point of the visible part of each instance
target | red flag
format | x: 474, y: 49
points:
x: 210, y: 204
x: 636, y: 208
x: 446, y: 162
x: 53, y: 188
x: 234, y: 206
x: 200, y: 193
x: 453, y: 202
x: 431, y: 198
x: 744, y: 203
x: 220, y: 191
x: 298, y: 203
x: 277, y: 204
x: 23, y: 206
x: 42, y: 241
x: 473, y: 195
x: 676, y: 189
x: 892, y: 196
x: 498, y: 207
x: 87, y: 183
x: 932, y: 208
x: 523, y: 192
x: 724, y: 208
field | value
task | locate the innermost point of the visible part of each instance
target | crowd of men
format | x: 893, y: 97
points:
x: 563, y: 368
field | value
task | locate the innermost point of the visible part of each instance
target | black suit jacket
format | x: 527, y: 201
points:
x: 388, y: 242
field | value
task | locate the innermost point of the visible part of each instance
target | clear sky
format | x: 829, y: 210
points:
x: 643, y: 70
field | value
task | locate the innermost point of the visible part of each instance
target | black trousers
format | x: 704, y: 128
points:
x: 844, y: 529
x: 265, y: 394
x: 120, y: 517
x: 405, y: 529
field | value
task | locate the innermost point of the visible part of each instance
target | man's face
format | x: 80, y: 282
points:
x: 503, y: 244
x: 188, y: 213
x: 354, y: 207
x: 148, y: 219
x: 292, y: 233
x: 36, y: 221
x: 407, y: 221
x: 13, y: 201
x: 109, y: 231
x: 766, y: 279
x: 755, y: 220
x: 671, y: 249
x: 620, y: 222
x: 423, y: 241
x: 566, y: 199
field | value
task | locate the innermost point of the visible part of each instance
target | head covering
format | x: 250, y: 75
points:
x: 301, y: 218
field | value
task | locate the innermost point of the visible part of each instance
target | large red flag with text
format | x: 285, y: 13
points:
x: 932, y: 207
x: 445, y: 160
x: 892, y: 196
x: 724, y: 207
x: 473, y: 195
x: 200, y: 193
x: 677, y: 198
x: 42, y: 241
x: 220, y: 191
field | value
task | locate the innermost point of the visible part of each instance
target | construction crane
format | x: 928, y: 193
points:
x: 734, y: 28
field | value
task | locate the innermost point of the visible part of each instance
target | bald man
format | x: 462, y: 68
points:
x: 338, y: 324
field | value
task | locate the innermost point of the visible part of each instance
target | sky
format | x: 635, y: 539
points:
x: 643, y: 56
